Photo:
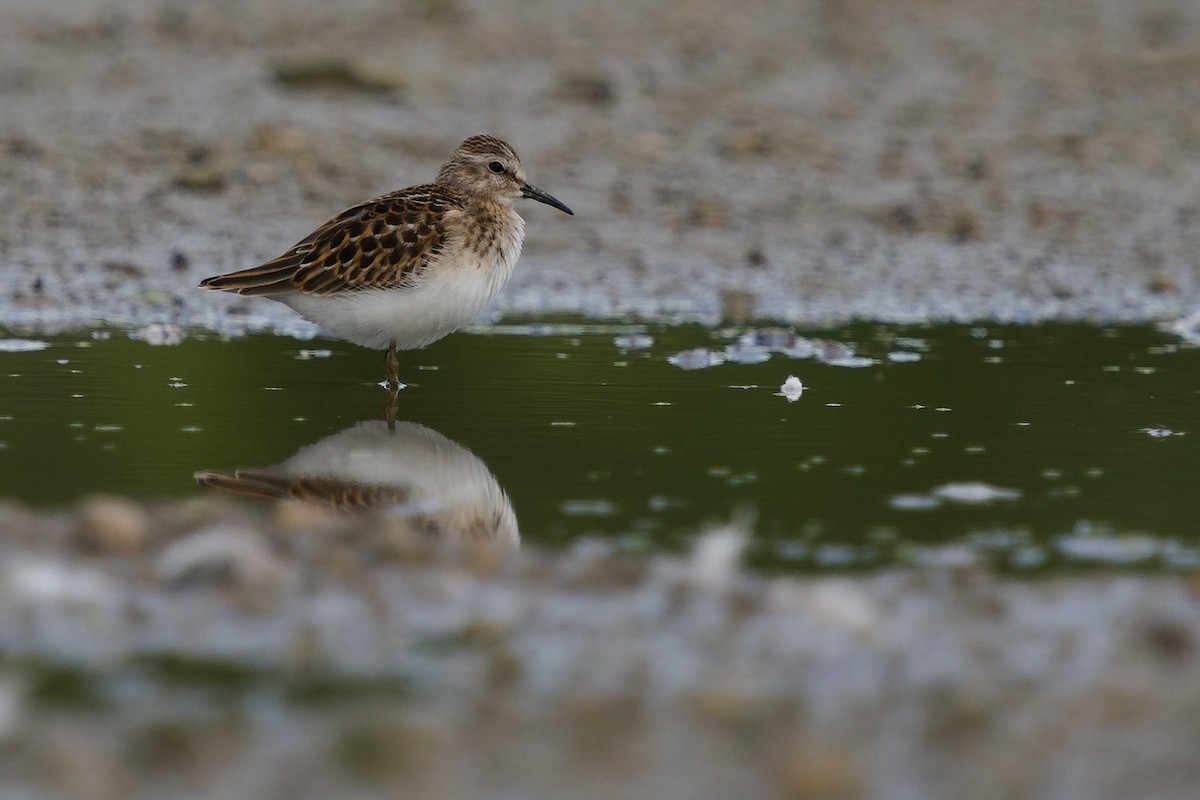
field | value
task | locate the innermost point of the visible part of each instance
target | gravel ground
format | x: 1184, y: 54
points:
x: 808, y: 161
x: 200, y: 650
x: 805, y: 161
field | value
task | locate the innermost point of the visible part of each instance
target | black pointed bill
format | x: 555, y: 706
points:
x: 531, y: 191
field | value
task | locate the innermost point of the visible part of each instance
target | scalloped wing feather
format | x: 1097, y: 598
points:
x: 385, y: 243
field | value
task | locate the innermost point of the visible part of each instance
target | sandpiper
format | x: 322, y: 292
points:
x: 407, y: 268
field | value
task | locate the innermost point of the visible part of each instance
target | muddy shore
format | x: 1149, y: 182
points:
x: 808, y: 162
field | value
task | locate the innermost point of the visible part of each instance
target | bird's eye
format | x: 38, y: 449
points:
x: 496, y: 167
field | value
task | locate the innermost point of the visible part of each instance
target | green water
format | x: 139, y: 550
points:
x: 588, y: 439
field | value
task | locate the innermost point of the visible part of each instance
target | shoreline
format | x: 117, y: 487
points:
x: 880, y: 166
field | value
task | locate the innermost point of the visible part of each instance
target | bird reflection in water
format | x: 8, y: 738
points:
x: 394, y: 468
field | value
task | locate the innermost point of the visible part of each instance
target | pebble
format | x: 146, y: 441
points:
x: 222, y: 555
x: 114, y: 525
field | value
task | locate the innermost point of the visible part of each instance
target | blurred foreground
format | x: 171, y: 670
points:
x: 204, y: 650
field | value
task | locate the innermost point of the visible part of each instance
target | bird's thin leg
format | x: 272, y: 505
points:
x: 390, y: 367
x: 390, y: 401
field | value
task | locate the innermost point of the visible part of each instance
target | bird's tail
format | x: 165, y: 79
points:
x: 273, y: 277
x: 246, y: 482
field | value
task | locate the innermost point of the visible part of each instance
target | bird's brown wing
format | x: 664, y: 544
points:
x: 382, y: 243
x: 331, y: 492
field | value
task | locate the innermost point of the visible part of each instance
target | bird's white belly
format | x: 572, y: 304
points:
x: 445, y: 299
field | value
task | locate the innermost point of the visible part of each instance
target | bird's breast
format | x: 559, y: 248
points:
x: 491, y: 239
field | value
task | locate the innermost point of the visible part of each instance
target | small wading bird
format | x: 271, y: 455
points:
x: 405, y: 269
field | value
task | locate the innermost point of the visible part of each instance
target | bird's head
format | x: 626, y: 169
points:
x: 487, y: 166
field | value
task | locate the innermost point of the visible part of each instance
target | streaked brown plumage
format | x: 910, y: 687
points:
x: 383, y: 243
x: 407, y: 268
x: 330, y: 492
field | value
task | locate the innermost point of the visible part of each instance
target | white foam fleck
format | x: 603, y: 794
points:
x: 22, y: 345
x: 792, y: 388
x: 974, y: 492
x: 696, y: 358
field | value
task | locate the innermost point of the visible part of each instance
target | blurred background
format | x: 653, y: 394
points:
x: 825, y: 159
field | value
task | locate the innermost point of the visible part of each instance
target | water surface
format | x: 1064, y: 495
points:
x: 1037, y: 447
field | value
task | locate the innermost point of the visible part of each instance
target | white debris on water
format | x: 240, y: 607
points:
x: 974, y: 492
x: 792, y: 388
x: 633, y: 341
x: 22, y: 345
x: 159, y: 335
x: 852, y: 362
x: 740, y: 353
x: 757, y: 347
x: 964, y: 493
x: 588, y: 508
x: 913, y: 502
x: 696, y: 358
